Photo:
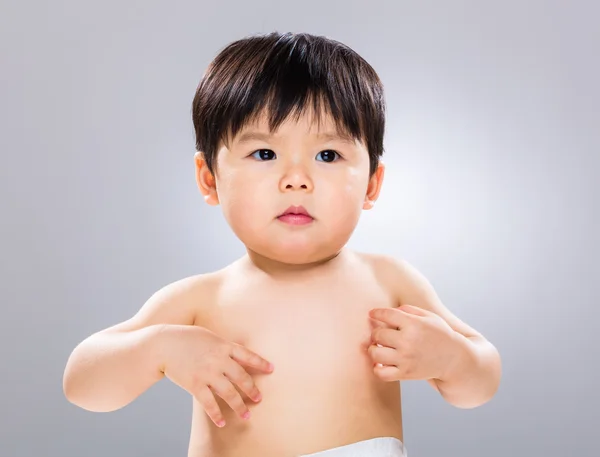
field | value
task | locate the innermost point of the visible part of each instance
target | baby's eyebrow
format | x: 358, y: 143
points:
x: 261, y: 136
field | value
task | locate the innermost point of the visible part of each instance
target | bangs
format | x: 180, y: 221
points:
x: 281, y: 77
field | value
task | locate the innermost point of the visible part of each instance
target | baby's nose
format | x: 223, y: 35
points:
x: 296, y: 179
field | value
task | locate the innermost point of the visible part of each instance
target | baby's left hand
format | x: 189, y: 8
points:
x: 417, y: 344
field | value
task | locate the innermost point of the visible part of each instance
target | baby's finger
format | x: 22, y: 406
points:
x: 385, y: 337
x: 387, y: 373
x: 384, y: 355
x: 225, y: 389
x: 206, y: 398
x: 238, y: 376
x: 246, y: 357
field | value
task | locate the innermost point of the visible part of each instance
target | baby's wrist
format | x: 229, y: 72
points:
x: 156, y: 344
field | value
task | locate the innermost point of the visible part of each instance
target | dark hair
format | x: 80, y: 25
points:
x: 281, y: 73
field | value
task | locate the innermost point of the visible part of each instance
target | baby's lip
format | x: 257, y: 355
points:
x: 296, y: 210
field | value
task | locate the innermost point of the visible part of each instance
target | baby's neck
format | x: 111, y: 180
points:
x: 281, y: 270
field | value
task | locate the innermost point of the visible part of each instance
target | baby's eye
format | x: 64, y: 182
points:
x: 328, y: 156
x: 264, y: 154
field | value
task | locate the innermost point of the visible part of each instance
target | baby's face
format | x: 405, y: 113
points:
x: 260, y: 176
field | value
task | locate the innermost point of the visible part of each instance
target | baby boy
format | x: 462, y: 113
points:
x: 298, y: 347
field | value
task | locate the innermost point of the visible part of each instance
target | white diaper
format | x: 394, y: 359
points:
x: 375, y: 447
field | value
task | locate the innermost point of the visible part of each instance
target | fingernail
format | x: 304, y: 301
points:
x: 246, y: 415
x: 221, y: 423
x: 258, y: 397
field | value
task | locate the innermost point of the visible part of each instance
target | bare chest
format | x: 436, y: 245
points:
x: 323, y: 391
x: 322, y: 324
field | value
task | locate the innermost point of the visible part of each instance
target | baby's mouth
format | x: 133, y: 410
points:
x: 296, y: 215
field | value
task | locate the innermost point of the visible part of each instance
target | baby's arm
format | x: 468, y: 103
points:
x: 111, y: 368
x: 477, y: 378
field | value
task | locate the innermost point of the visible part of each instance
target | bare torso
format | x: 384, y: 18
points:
x: 315, y: 331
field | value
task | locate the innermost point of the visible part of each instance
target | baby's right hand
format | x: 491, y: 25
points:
x: 201, y: 362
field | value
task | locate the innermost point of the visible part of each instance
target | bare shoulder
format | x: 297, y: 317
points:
x: 389, y: 271
x: 409, y: 286
x: 402, y: 278
x: 181, y: 302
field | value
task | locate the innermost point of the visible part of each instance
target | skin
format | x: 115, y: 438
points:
x: 253, y: 192
x: 301, y: 300
x: 315, y: 330
x: 330, y: 178
x: 341, y: 328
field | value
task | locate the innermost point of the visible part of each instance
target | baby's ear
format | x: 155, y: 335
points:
x: 205, y: 180
x: 374, y: 187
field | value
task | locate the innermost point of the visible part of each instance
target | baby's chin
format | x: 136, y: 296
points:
x: 296, y: 254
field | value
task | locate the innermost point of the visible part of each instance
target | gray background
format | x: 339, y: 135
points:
x: 491, y: 191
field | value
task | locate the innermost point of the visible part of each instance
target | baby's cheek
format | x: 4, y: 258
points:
x: 355, y: 193
x: 351, y: 189
x: 356, y: 181
x: 247, y: 207
x: 233, y: 201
